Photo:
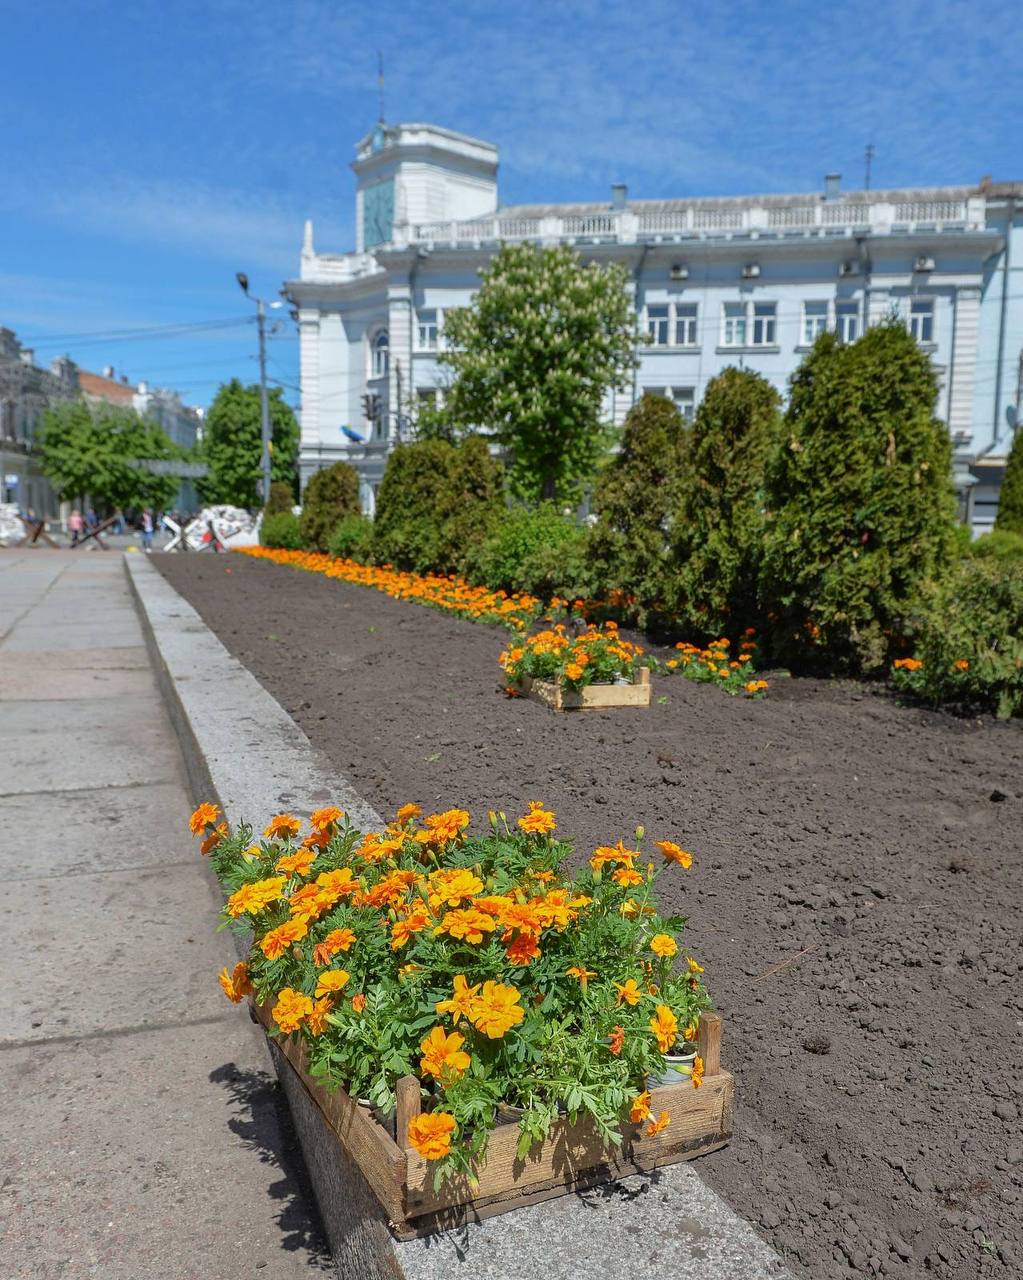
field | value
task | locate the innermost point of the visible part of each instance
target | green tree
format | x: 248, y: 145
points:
x: 860, y: 504
x: 718, y: 527
x: 1010, y: 499
x: 330, y: 494
x: 94, y: 451
x: 532, y: 359
x: 634, y: 499
x: 281, y: 499
x: 232, y: 445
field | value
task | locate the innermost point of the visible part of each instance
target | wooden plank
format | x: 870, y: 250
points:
x: 408, y: 1105
x: 708, y: 1040
x: 590, y: 697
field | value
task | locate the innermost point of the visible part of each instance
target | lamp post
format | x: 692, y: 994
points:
x: 264, y: 404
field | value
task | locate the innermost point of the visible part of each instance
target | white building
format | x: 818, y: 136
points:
x: 747, y: 280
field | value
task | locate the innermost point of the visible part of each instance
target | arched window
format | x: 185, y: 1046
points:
x: 381, y: 351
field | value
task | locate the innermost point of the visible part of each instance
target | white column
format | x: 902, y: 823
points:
x: 963, y: 363
x: 399, y: 327
x: 309, y: 381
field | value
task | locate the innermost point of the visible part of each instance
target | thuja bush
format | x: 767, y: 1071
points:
x: 1010, y: 499
x: 331, y: 494
x: 281, y: 530
x: 281, y: 499
x: 1000, y: 544
x: 719, y: 525
x: 352, y: 539
x: 634, y: 499
x: 534, y: 549
x: 860, y: 505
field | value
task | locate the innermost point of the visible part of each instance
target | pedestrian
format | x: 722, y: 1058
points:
x: 91, y: 519
x: 147, y: 530
x: 75, y: 525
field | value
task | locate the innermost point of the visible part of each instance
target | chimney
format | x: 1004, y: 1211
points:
x: 832, y: 186
x: 619, y: 195
x: 124, y: 379
x: 108, y: 371
x: 143, y: 387
x: 307, y: 239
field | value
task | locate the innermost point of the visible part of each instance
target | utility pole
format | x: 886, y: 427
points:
x: 869, y: 157
x: 264, y: 403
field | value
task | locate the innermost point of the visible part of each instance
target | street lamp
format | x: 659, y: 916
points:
x: 264, y: 405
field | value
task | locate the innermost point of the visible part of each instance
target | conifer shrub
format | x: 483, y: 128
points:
x: 281, y: 499
x: 1010, y: 499
x: 634, y: 498
x: 281, y: 530
x: 331, y: 494
x: 1000, y: 544
x: 352, y: 539
x: 860, y: 508
x: 719, y: 523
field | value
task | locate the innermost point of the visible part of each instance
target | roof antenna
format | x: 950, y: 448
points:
x: 869, y: 157
x: 380, y: 82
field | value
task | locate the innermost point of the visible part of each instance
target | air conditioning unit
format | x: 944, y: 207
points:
x: 679, y: 271
x: 751, y: 271
x: 923, y: 263
x: 849, y: 268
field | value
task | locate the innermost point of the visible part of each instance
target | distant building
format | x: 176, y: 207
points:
x: 26, y: 391
x: 716, y: 281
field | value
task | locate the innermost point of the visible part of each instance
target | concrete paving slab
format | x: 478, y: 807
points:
x: 79, y: 636
x: 120, y: 659
x: 74, y: 681
x: 166, y: 1155
x: 106, y: 951
x: 56, y: 760
x: 86, y: 719
x: 99, y: 830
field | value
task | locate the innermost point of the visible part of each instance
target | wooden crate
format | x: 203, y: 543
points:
x: 571, y: 1158
x: 592, y: 696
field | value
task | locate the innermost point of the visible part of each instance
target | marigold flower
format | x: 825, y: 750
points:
x: 496, y: 1010
x: 524, y: 949
x: 616, y: 1041
x: 341, y: 882
x: 467, y: 924
x: 322, y: 819
x: 409, y: 811
x: 335, y: 941
x: 628, y: 992
x: 358, y: 1002
x: 627, y: 877
x: 404, y: 929
x: 961, y: 664
x: 317, y: 1019
x: 442, y: 828
x: 291, y: 1009
x: 693, y: 966
x: 691, y: 1031
x: 283, y: 826
x: 296, y: 863
x: 205, y: 816
x: 619, y: 855
x: 311, y: 901
x: 907, y: 664
x: 430, y: 1134
x: 640, y: 1109
x: 573, y: 671
x: 331, y: 981
x: 236, y: 984
x: 697, y: 1072
x: 277, y: 941
x: 443, y: 1056
x: 462, y: 1002
x: 663, y: 945
x: 538, y: 821
x: 664, y: 1026
x: 584, y: 975
x: 213, y: 839
x: 655, y: 1126
x: 674, y: 853
x: 452, y: 886
x: 250, y: 899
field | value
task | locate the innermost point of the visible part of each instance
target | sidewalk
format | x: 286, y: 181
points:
x: 144, y: 1135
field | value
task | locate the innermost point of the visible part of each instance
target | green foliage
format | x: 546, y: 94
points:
x: 282, y: 530
x: 634, y: 499
x: 860, y: 505
x: 435, y: 500
x: 1001, y: 544
x: 232, y: 444
x: 1010, y: 499
x: 534, y: 549
x: 91, y: 451
x: 281, y: 499
x: 973, y: 616
x: 533, y: 357
x: 331, y: 494
x: 719, y: 525
x: 352, y: 539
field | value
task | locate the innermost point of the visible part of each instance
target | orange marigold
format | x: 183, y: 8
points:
x: 674, y: 853
x: 205, y: 816
x: 317, y: 1019
x: 331, y: 981
x: 697, y: 1072
x: 430, y: 1134
x: 282, y: 826
x: 443, y: 1056
x: 250, y: 899
x: 655, y: 1126
x: 462, y: 1002
x: 213, y: 839
x: 661, y: 944
x: 640, y: 1109
x: 335, y: 941
x: 277, y: 941
x: 358, y: 1002
x: 524, y: 949
x: 497, y: 1009
x: 627, y: 877
x: 296, y: 863
x: 322, y: 819
x: 664, y: 1026
x: 236, y: 984
x: 538, y: 821
x: 628, y: 992
x: 291, y: 1009
x: 467, y: 924
x: 442, y: 828
x: 616, y: 1041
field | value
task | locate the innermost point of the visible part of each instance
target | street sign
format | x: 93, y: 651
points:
x: 11, y: 481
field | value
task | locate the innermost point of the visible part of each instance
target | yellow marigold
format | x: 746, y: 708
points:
x: 573, y: 671
x: 697, y: 1072
x: 640, y: 1108
x: 331, y: 981
x: 322, y: 819
x: 213, y: 839
x: 664, y: 1026
x: 538, y: 821
x: 250, y: 899
x: 205, y: 816
x: 443, y: 1056
x: 655, y: 1126
x: 283, y: 826
x: 317, y: 1019
x: 341, y: 882
x: 627, y: 877
x: 430, y: 1134
x: 691, y: 1031
x: 442, y: 828
x: 466, y: 924
x: 409, y: 811
x: 662, y: 945
x: 277, y: 941
x: 674, y: 853
x: 619, y: 855
x: 236, y: 984
x: 497, y: 1009
x: 451, y: 886
x: 630, y: 909
x: 628, y: 992
x: 462, y: 1003
x: 584, y: 975
x: 693, y: 966
x: 291, y: 1009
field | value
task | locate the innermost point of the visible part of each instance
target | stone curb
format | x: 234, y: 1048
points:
x: 243, y: 750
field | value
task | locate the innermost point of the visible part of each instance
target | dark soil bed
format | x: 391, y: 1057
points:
x: 857, y: 896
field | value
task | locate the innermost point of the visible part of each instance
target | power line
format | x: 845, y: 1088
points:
x: 135, y: 335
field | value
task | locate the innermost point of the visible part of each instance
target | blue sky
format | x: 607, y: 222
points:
x: 151, y: 150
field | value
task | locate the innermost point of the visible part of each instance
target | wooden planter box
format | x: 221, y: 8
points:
x: 571, y: 1158
x: 557, y: 698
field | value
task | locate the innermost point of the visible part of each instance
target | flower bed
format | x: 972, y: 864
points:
x: 474, y: 966
x: 715, y: 665
x: 594, y: 668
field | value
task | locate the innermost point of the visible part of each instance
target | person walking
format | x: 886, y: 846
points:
x: 75, y: 525
x: 147, y: 530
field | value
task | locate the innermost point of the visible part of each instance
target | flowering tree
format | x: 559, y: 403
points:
x: 533, y: 358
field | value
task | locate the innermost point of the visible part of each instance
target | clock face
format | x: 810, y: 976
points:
x: 378, y: 213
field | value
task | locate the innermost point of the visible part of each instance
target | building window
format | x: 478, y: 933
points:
x: 921, y: 319
x: 815, y: 321
x: 427, y: 331
x: 655, y: 391
x: 381, y: 361
x: 847, y: 321
x: 733, y: 324
x: 685, y: 401
x: 764, y: 319
x: 685, y: 324
x: 657, y: 325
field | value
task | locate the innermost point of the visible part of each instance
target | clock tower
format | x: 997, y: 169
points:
x: 420, y: 173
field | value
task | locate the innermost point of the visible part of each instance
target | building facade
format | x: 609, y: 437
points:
x: 26, y: 391
x: 738, y: 280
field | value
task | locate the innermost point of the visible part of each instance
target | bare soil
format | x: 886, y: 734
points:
x: 857, y: 896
